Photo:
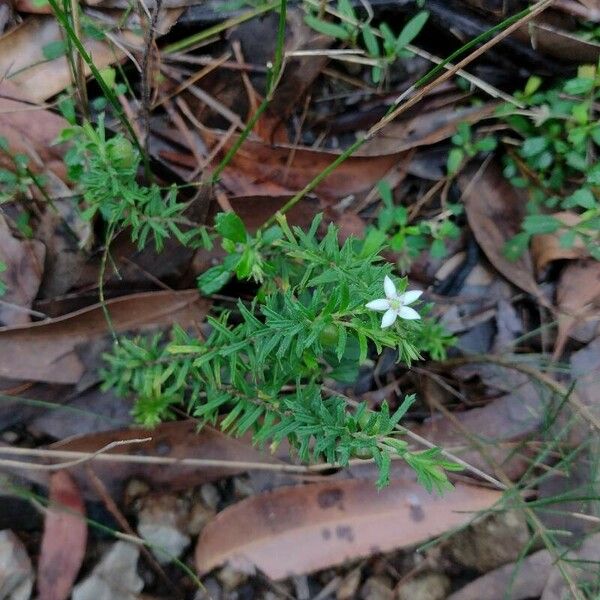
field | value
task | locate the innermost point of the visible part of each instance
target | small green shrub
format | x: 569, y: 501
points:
x: 105, y: 171
x: 408, y: 240
x: 264, y: 364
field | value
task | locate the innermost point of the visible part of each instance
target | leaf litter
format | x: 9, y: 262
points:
x: 318, y: 526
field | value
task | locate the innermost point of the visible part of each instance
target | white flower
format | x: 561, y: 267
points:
x: 394, y: 304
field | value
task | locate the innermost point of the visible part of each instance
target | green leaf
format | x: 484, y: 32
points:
x: 54, y: 49
x: 326, y: 28
x: 578, y: 86
x: 567, y: 239
x: 231, y: 227
x: 374, y: 240
x: 346, y: 9
x: 455, y: 159
x: 582, y: 197
x: 515, y: 247
x: 534, y: 145
x: 371, y: 43
x: 532, y: 85
x: 385, y: 192
x: 438, y: 249
x: 214, y: 279
x: 593, y: 175
x: 411, y: 30
x: 486, y: 144
x: 538, y: 224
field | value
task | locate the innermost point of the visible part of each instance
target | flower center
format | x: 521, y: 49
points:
x: 395, y: 304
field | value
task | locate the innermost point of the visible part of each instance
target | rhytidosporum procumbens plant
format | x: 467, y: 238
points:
x: 105, y: 170
x: 262, y: 366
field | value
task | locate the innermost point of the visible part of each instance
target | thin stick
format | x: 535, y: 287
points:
x: 81, y: 457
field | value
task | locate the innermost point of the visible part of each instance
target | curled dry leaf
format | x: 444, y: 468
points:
x: 24, y: 260
x: 425, y: 128
x: 495, y: 211
x: 546, y: 248
x: 525, y: 579
x: 577, y: 298
x: 259, y: 168
x: 64, y: 540
x: 297, y: 530
x: 255, y: 210
x: 22, y: 54
x: 17, y: 109
x: 559, y: 43
x: 48, y: 350
x: 177, y: 440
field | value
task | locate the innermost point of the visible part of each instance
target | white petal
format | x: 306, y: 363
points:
x: 408, y: 313
x: 410, y: 297
x: 381, y: 304
x: 388, y: 318
x: 389, y: 287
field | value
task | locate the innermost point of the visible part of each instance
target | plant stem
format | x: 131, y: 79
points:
x: 274, y: 77
x: 224, y: 26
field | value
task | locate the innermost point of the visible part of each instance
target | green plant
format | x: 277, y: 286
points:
x: 407, y: 239
x: 105, y: 170
x: 556, y: 160
x: 263, y: 365
x: 15, y: 183
x: 2, y: 284
x: 380, y: 43
x: 465, y: 147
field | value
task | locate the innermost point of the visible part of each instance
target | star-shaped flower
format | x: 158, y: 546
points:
x: 394, y: 304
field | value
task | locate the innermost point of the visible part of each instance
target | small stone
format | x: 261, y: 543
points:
x: 10, y: 437
x: 242, y: 487
x: 210, y: 591
x: 135, y: 489
x: 377, y: 588
x: 162, y: 522
x: 210, y: 495
x: 166, y: 542
x: 230, y: 578
x: 490, y: 542
x: 16, y: 573
x: 200, y: 515
x: 349, y: 585
x: 429, y: 586
x: 115, y: 576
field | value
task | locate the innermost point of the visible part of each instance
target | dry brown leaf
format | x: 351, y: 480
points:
x: 494, y: 427
x: 297, y: 530
x: 47, y: 351
x: 259, y: 169
x: 177, y: 440
x: 17, y: 111
x: 558, y: 43
x: 425, y: 128
x: 255, y: 210
x: 495, y: 212
x: 525, y: 579
x: 24, y: 260
x: 577, y: 298
x: 546, y: 248
x: 64, y: 540
x: 22, y: 59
